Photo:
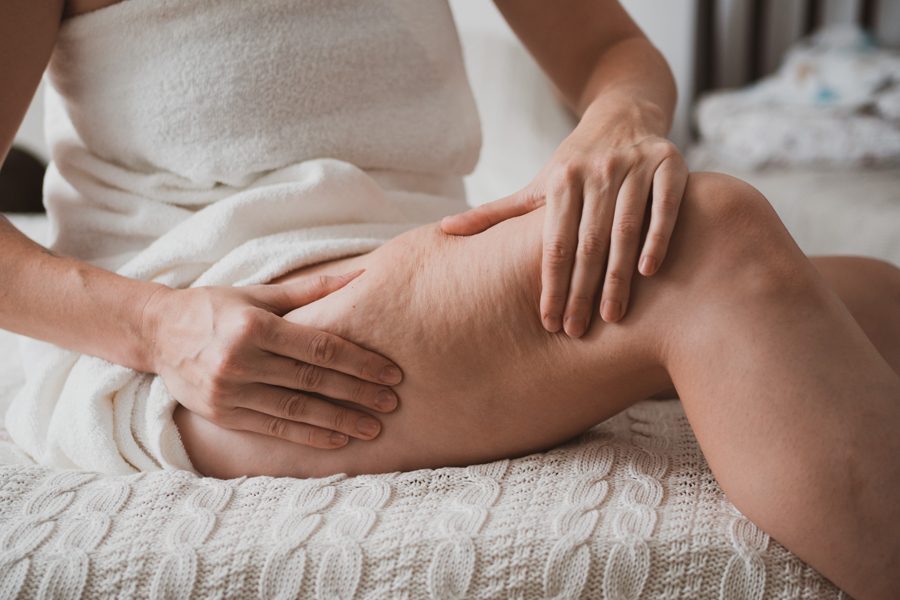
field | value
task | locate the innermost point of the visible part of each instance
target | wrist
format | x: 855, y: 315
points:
x: 148, y: 326
x: 637, y: 115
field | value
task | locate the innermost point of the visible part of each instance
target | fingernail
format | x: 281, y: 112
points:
x: 551, y: 323
x: 610, y: 310
x: 367, y: 426
x: 386, y: 400
x: 575, y: 326
x: 391, y: 375
x: 337, y: 439
x: 647, y: 265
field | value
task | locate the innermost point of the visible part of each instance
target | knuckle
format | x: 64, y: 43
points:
x: 214, y: 411
x: 228, y: 365
x: 323, y: 348
x: 276, y: 427
x: 247, y: 324
x: 313, y: 436
x: 606, y: 168
x: 339, y: 420
x: 371, y: 367
x: 293, y: 406
x: 665, y: 149
x: 214, y: 389
x: 557, y: 252
x: 359, y: 392
x: 625, y: 228
x: 580, y: 300
x: 615, y: 278
x: 667, y: 203
x: 657, y: 239
x: 592, y: 245
x: 632, y: 154
x: 321, y: 282
x: 565, y: 173
x: 308, y: 377
x: 554, y: 300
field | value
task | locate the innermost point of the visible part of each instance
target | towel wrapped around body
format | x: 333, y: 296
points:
x: 227, y: 143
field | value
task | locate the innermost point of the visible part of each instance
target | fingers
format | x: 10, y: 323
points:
x: 284, y: 297
x: 297, y: 407
x: 559, y: 242
x: 669, y: 182
x: 323, y: 349
x: 487, y: 215
x: 626, y: 231
x: 298, y: 433
x: 305, y: 377
x: 591, y: 255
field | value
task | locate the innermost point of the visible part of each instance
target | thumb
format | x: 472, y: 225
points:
x: 487, y: 215
x: 281, y: 298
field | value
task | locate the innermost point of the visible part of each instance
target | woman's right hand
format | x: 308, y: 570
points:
x: 227, y: 354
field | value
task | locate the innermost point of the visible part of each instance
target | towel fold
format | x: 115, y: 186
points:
x: 228, y: 143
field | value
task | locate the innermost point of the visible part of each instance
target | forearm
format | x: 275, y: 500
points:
x: 630, y: 82
x: 71, y: 303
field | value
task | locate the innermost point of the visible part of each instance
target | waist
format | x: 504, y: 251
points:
x: 106, y: 214
x: 222, y: 91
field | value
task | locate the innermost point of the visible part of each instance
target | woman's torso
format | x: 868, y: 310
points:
x: 157, y: 109
x: 221, y: 91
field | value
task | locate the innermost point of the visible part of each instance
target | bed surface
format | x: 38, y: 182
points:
x: 628, y: 509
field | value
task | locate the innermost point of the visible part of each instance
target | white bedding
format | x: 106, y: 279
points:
x: 629, y: 509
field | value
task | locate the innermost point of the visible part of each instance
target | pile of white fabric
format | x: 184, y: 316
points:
x: 256, y: 141
x: 834, y: 101
x: 629, y: 510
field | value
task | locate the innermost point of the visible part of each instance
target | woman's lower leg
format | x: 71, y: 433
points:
x: 794, y: 408
x: 870, y: 289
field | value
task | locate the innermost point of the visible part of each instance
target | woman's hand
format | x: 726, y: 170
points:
x: 228, y: 355
x: 597, y: 188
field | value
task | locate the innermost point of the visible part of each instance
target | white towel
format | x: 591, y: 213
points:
x: 226, y: 143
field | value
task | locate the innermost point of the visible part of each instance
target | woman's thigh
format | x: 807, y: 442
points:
x: 482, y: 378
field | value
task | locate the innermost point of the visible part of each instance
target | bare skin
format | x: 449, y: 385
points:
x: 782, y: 387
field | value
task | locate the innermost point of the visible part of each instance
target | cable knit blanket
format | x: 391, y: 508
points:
x: 629, y: 510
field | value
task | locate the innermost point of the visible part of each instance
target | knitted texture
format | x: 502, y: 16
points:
x: 628, y: 510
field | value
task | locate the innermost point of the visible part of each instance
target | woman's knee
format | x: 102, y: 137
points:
x: 738, y: 241
x: 738, y: 217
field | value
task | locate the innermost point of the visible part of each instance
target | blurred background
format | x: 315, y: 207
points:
x: 799, y: 97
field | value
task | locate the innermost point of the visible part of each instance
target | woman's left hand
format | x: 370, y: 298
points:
x: 597, y: 188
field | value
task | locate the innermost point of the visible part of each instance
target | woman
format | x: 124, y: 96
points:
x: 489, y: 315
